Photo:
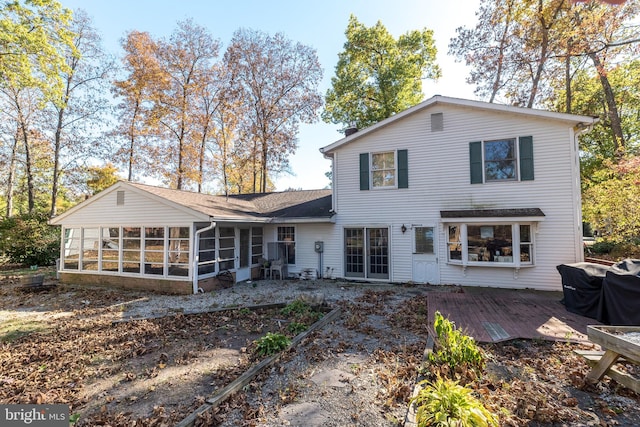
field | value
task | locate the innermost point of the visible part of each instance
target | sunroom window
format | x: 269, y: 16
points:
x: 490, y: 244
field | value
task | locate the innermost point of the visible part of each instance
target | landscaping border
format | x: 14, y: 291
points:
x: 244, y: 379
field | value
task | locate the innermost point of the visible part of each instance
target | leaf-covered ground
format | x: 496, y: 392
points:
x: 62, y: 347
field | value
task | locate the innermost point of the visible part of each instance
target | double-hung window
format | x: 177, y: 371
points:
x: 383, y: 169
x: 286, y: 240
x: 386, y: 169
x: 496, y: 160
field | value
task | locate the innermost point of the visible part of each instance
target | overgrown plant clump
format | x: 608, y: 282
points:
x: 454, y: 351
x: 272, y: 344
x: 446, y: 403
x: 301, y: 312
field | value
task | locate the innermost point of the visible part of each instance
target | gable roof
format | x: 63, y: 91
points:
x: 573, y: 119
x: 309, y: 205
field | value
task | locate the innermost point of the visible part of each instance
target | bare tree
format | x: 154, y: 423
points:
x: 83, y: 106
x: 277, y: 80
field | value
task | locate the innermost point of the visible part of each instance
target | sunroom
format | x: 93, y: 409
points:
x: 171, y: 241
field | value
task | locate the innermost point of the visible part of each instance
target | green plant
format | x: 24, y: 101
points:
x: 271, y: 344
x: 301, y: 312
x: 296, y: 328
x: 244, y: 311
x: 297, y: 307
x: 446, y: 403
x: 602, y: 247
x: 74, y: 418
x: 28, y: 239
x: 453, y: 348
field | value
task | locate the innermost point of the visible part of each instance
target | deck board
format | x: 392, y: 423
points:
x: 521, y: 314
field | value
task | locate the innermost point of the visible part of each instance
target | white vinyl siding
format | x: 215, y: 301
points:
x: 439, y: 173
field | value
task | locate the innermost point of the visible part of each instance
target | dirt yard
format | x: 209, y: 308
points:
x: 62, y: 346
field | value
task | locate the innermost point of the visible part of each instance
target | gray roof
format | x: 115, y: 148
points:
x: 259, y: 206
x: 487, y: 213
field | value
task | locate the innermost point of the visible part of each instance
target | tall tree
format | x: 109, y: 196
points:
x: 135, y: 123
x: 548, y: 41
x: 20, y: 110
x: 83, y: 106
x: 277, y: 82
x: 377, y: 75
x: 186, y: 60
x: 33, y: 33
x: 163, y: 96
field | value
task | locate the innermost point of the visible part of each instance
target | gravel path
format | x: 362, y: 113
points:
x: 248, y: 294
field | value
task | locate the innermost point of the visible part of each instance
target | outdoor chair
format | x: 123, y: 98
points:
x: 276, y: 266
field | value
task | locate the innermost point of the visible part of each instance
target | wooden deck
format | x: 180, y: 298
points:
x: 492, y: 315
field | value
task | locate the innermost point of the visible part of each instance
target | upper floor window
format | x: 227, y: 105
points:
x: 500, y: 161
x: 383, y: 169
x: 508, y: 159
x: 389, y: 169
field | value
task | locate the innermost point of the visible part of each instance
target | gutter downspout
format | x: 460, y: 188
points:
x: 196, y: 256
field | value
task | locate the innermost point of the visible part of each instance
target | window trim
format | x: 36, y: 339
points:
x: 515, y: 224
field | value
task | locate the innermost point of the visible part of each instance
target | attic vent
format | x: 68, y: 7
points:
x: 120, y: 198
x: 437, y: 122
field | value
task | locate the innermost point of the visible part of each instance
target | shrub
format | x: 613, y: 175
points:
x: 454, y: 349
x: 29, y: 240
x: 271, y: 344
x: 602, y: 247
x: 446, y: 403
x: 625, y: 250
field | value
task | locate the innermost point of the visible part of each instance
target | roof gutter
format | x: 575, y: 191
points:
x: 196, y: 254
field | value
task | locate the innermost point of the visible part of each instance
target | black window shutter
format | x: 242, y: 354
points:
x: 364, y: 171
x: 475, y: 161
x: 403, y: 169
x: 526, y: 158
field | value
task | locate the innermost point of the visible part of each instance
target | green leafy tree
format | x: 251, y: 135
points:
x: 377, y: 75
x: 588, y: 96
x: 612, y: 204
x: 101, y: 177
x: 33, y: 35
x: 29, y: 240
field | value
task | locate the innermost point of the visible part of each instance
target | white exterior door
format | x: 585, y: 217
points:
x: 425, y: 260
x: 243, y: 271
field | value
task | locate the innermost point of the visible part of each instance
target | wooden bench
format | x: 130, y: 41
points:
x: 616, y: 349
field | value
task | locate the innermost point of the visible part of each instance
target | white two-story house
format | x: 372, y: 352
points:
x: 462, y: 192
x: 450, y: 191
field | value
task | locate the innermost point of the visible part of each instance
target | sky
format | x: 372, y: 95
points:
x: 320, y: 24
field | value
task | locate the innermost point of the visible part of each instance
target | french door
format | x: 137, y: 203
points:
x: 366, y: 252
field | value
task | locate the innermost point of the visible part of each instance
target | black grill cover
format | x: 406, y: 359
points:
x: 620, y: 299
x: 581, y: 286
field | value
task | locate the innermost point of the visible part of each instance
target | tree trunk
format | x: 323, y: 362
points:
x: 27, y: 159
x: 567, y: 84
x: 503, y: 42
x: 614, y: 116
x: 11, y: 177
x: 56, y: 163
